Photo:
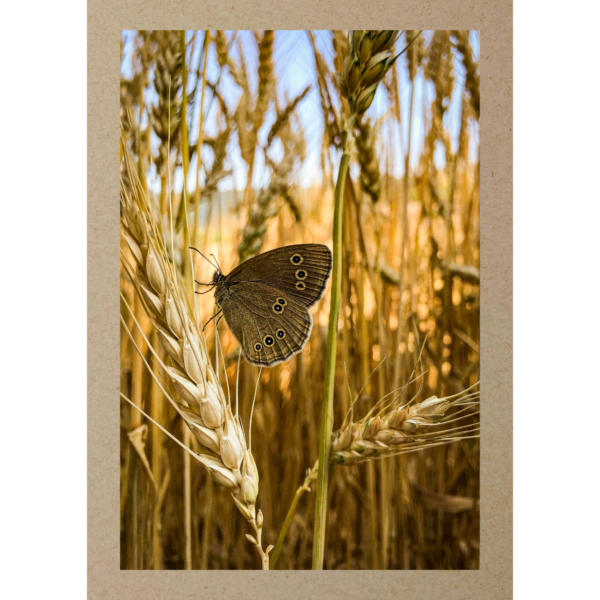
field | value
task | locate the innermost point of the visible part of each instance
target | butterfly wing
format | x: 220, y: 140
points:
x: 270, y: 325
x: 301, y: 271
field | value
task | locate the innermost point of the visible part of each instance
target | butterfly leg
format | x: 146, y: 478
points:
x: 215, y: 315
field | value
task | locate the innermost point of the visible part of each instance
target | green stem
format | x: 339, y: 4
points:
x: 286, y: 525
x: 327, y: 408
x: 292, y: 511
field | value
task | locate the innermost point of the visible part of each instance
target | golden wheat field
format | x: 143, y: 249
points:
x: 362, y: 450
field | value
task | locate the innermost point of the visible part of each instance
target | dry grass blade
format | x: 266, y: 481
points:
x: 444, y: 502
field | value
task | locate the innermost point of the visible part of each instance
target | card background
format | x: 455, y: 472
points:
x: 106, y: 18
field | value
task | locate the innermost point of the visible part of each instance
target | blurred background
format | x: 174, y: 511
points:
x: 264, y: 110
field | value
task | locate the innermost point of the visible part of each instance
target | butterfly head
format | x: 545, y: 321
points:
x: 217, y: 278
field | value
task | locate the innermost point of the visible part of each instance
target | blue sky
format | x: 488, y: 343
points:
x: 294, y: 70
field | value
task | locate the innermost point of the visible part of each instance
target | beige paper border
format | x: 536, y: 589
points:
x: 106, y: 18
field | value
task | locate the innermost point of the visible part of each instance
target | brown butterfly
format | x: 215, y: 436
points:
x: 265, y: 300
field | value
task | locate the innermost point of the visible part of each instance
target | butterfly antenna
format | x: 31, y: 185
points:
x: 202, y: 255
x: 218, y: 265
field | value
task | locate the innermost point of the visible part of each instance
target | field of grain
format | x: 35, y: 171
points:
x: 274, y: 113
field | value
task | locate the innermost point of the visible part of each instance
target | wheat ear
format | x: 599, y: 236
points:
x: 463, y: 45
x: 199, y: 398
x: 390, y: 430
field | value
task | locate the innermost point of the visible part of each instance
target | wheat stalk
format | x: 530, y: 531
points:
x: 199, y: 398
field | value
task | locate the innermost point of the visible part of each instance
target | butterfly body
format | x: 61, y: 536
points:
x: 265, y: 300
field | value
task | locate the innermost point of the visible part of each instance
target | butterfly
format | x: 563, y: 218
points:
x: 265, y: 300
